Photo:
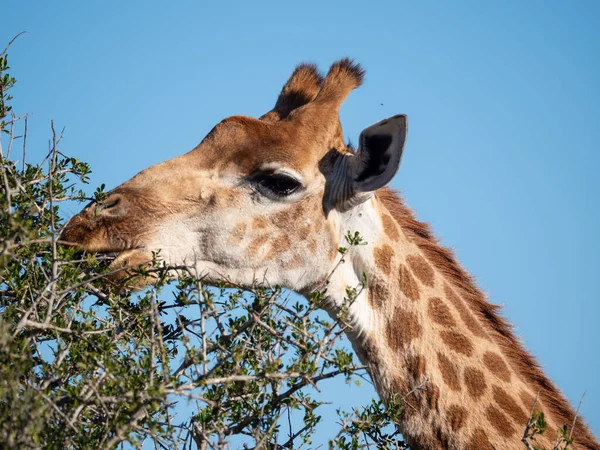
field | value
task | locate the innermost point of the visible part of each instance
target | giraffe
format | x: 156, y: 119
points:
x: 275, y: 196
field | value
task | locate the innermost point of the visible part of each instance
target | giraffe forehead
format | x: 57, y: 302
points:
x: 246, y: 145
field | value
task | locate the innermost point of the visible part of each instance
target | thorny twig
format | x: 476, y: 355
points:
x: 525, y: 438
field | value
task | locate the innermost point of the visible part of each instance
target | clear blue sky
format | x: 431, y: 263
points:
x: 503, y: 100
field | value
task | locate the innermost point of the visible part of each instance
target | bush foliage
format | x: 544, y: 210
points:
x: 86, y: 364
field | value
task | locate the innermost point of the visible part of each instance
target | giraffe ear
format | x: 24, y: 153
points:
x: 380, y: 150
x: 374, y: 165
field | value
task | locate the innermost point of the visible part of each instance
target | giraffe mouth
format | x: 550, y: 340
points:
x: 128, y: 258
x: 119, y: 262
x: 122, y: 267
x: 108, y: 256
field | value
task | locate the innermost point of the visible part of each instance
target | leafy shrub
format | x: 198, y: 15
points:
x: 86, y: 364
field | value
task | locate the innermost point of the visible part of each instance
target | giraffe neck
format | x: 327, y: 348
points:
x: 429, y: 337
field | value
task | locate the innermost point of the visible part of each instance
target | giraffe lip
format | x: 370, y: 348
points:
x: 109, y: 255
x: 129, y: 257
x: 114, y: 257
x: 115, y: 253
x: 107, y: 258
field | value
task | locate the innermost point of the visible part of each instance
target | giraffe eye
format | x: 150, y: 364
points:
x: 277, y: 185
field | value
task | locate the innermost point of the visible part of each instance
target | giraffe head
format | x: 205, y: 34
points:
x: 256, y: 197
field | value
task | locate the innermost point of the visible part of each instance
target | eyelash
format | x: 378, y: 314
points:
x: 276, y: 186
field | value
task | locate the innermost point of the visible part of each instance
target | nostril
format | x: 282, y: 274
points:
x: 111, y: 205
x: 111, y: 202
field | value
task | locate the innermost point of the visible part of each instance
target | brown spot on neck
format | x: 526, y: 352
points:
x: 466, y: 316
x: 432, y: 396
x: 421, y: 269
x: 499, y: 421
x: 383, y: 258
x: 496, y: 366
x: 370, y: 351
x: 527, y: 400
x: 401, y: 387
x: 509, y: 406
x: 449, y: 372
x: 402, y: 328
x: 378, y: 293
x: 457, y: 342
x: 416, y: 366
x: 457, y: 416
x: 390, y: 227
x: 440, y: 313
x: 474, y: 382
x: 408, y: 285
x: 479, y: 441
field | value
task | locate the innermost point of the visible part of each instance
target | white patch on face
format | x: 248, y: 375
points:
x: 205, y: 245
x: 176, y: 241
